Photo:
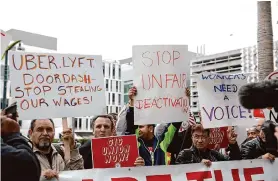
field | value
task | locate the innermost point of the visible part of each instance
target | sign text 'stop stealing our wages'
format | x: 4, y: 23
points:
x: 48, y: 85
x: 160, y: 77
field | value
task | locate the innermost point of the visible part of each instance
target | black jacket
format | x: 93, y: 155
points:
x: 86, y: 151
x: 255, y: 148
x: 193, y: 155
x: 181, y: 141
x: 18, y: 162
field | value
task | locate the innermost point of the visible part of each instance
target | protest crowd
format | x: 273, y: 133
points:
x: 163, y: 144
x: 156, y: 136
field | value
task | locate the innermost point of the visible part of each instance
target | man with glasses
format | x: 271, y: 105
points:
x: 200, y: 153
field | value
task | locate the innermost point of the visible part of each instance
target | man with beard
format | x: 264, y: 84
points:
x: 152, y: 148
x: 264, y: 146
x: 252, y: 133
x: 42, y: 133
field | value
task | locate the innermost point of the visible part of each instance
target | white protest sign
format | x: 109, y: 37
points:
x: 48, y: 85
x: 270, y: 113
x: 245, y: 170
x: 219, y: 103
x: 160, y: 77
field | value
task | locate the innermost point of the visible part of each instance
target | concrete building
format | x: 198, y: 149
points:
x: 243, y: 60
x: 112, y: 80
x: 127, y: 77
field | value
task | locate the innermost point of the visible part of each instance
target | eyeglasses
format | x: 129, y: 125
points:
x: 198, y: 137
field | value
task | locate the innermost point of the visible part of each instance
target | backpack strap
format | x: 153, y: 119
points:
x: 59, y: 150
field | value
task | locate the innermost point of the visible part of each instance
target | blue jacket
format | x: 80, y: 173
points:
x: 160, y: 146
x: 125, y: 126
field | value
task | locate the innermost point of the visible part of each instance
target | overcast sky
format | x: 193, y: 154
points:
x: 111, y: 27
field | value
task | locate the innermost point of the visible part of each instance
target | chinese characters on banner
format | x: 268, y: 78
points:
x: 218, y: 136
x: 219, y: 102
x: 56, y: 85
x: 160, y: 77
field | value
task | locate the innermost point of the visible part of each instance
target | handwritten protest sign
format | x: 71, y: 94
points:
x: 56, y: 85
x: 111, y: 152
x: 160, y: 77
x: 219, y: 103
x: 218, y: 136
x: 270, y: 113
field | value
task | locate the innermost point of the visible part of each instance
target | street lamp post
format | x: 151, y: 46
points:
x: 4, y: 103
x: 5, y: 82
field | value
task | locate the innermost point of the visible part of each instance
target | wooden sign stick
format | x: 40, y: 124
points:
x: 66, y: 143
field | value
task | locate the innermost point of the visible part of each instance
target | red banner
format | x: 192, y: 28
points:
x: 111, y: 152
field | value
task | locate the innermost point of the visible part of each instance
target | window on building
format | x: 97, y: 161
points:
x: 2, y: 71
x: 106, y: 84
x: 109, y: 70
x: 103, y: 68
x: 110, y: 85
x: 80, y: 123
x: 120, y: 88
x: 113, y: 73
x: 119, y: 100
x: 75, y: 123
x: 87, y: 123
x: 111, y: 109
x: 127, y: 87
x: 107, y: 109
x: 126, y: 99
x: 120, y: 72
x: 109, y: 98
x: 117, y: 87
x: 113, y: 98
x: 20, y: 123
x: 116, y: 109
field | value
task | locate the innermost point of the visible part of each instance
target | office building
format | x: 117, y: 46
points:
x: 127, y: 77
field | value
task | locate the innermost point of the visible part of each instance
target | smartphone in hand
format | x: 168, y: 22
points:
x: 12, y: 109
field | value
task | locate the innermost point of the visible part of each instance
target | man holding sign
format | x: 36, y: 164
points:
x: 51, y: 157
x: 199, y: 152
x: 103, y: 126
x: 153, y: 149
